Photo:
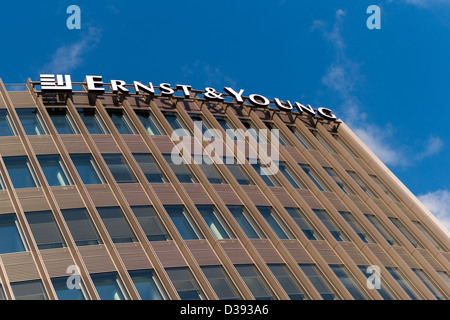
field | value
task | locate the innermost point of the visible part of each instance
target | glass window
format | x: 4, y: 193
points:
x: 119, y: 168
x: 150, y: 223
x: 348, y: 282
x: 181, y: 170
x: 45, y: 230
x: 276, y: 134
x: 181, y: 219
x: 2, y: 294
x: 54, y: 170
x: 246, y: 222
x: 223, y: 123
x: 301, y: 137
x: 6, y: 126
x: 323, y: 141
x: 255, y: 283
x: 362, y: 184
x: 31, y: 121
x: 11, y: 239
x: 288, y: 282
x: 334, y: 229
x: 199, y: 123
x: 428, y: 235
x: 150, y: 168
x: 116, y: 224
x: 81, y: 227
x: 209, y: 170
x: 406, y: 232
x: 333, y: 174
x: 384, y: 188
x: 444, y: 276
x: 62, y: 121
x: 275, y: 222
x: 87, y: 168
x: 250, y: 131
x: 109, y: 286
x: 147, y: 284
x: 314, y: 177
x: 29, y: 290
x: 175, y: 123
x: 429, y: 284
x: 64, y: 293
x: 265, y: 173
x: 148, y: 122
x: 346, y: 146
x: 406, y: 286
x: 185, y: 284
x: 381, y: 229
x: 383, y: 291
x: 299, y: 218
x: 20, y: 172
x: 121, y: 121
x: 220, y: 282
x: 237, y: 172
x: 214, y: 221
x: 92, y: 121
x: 291, y: 176
x: 319, y: 282
x: 356, y: 226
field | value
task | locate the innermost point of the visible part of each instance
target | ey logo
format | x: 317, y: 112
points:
x: 74, y: 21
x: 374, y: 21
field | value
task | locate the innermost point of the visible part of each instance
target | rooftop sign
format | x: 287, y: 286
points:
x: 95, y: 84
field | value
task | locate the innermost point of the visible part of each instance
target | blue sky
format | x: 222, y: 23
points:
x: 390, y: 85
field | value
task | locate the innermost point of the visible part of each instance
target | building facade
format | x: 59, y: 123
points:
x: 93, y: 205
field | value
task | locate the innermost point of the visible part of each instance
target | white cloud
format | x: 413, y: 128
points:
x: 438, y: 202
x: 68, y: 57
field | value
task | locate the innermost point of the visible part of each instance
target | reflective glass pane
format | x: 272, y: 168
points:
x: 150, y: 223
x: 6, y: 126
x: 10, y: 235
x: 87, y: 168
x: 150, y: 168
x: 275, y: 222
x: 31, y: 121
x: 246, y: 222
x: 116, y: 224
x: 215, y: 224
x: 92, y: 121
x: 287, y: 281
x: 29, y: 290
x: 109, y: 286
x: 383, y: 290
x: 146, y: 284
x: 54, y: 170
x: 318, y: 281
x: 310, y: 232
x: 185, y: 284
x: 45, y: 230
x: 121, y: 121
x: 182, y: 222
x: 255, y: 283
x: 148, y: 122
x: 348, y: 282
x: 64, y: 293
x: 406, y: 286
x: 220, y: 282
x: 81, y: 227
x: 119, y: 168
x: 20, y: 172
x: 62, y: 120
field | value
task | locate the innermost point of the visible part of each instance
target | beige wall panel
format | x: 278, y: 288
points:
x: 74, y: 143
x: 20, y: 266
x: 105, y: 143
x: 342, y: 162
x: 101, y: 195
x: 96, y: 259
x: 267, y: 251
x: 202, y: 252
x: 295, y: 154
x: 22, y: 99
x: 283, y: 196
x: 67, y: 197
x: 297, y: 251
x: 256, y: 195
x: 135, y: 143
x: 43, y: 144
x: 363, y: 165
x: 383, y: 207
x: 326, y: 252
x: 316, y: 154
x: 405, y: 210
x: 310, y: 199
x: 430, y: 259
x: 11, y: 146
x: 5, y: 203
x: 335, y: 201
x: 380, y: 254
x: 32, y: 199
x: 354, y: 253
x: 133, y: 256
x: 227, y: 194
x: 197, y: 193
x: 134, y: 194
x: 168, y: 254
x: 57, y: 261
x: 406, y: 257
x: 235, y: 251
x: 361, y: 206
x: 164, y: 144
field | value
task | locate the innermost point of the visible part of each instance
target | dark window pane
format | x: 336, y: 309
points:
x: 186, y: 286
x: 382, y: 291
x: 54, y: 170
x: 214, y: 222
x: 181, y: 170
x: 62, y: 120
x: 10, y: 235
x: 334, y: 229
x: 109, y: 286
x: 87, y: 168
x: 29, y: 290
x: 148, y: 122
x: 116, y: 224
x: 356, y: 226
x: 348, y: 282
x: 31, y: 121
x: 45, y: 230
x: 119, y: 168
x: 20, y: 172
x: 81, y: 227
x: 150, y: 223
x: 254, y: 282
x: 287, y: 281
x: 64, y: 293
x: 402, y: 282
x: 149, y: 167
x: 220, y: 282
x: 246, y: 222
x: 299, y: 218
x: 318, y: 281
x: 6, y: 126
x: 275, y: 223
x: 314, y: 177
x: 182, y: 222
x: 92, y: 121
x: 146, y: 284
x: 121, y: 121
